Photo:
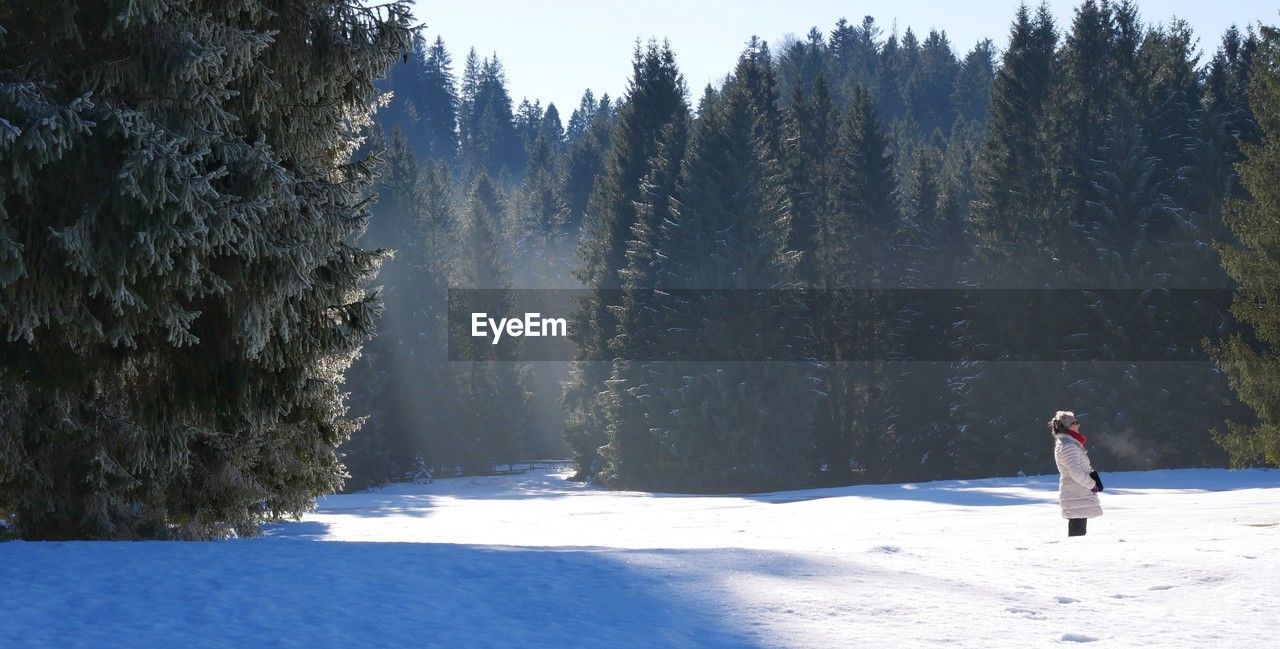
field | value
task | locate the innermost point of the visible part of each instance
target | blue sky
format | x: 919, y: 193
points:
x: 554, y: 49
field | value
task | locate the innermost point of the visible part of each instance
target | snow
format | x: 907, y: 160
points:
x: 1181, y: 558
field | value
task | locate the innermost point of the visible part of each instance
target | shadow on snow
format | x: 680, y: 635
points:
x: 329, y: 594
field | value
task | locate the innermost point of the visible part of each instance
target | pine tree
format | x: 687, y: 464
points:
x: 655, y: 97
x: 581, y: 118
x: 1085, y: 95
x: 899, y: 60
x: 809, y: 131
x: 1224, y: 120
x: 1010, y: 214
x: 917, y: 449
x: 439, y: 105
x: 180, y: 294
x: 489, y: 137
x: 930, y: 89
x: 801, y: 63
x: 528, y: 123
x: 587, y: 142
x: 542, y: 248
x: 855, y: 56
x: 1014, y: 220
x: 1253, y: 367
x: 971, y: 96
x: 857, y: 254
x: 725, y: 426
x: 633, y: 454
x: 553, y: 129
x: 467, y: 97
x: 862, y: 215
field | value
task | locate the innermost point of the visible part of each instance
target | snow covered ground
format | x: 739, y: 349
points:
x: 1187, y: 558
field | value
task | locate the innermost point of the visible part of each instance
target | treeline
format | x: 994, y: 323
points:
x: 1097, y: 154
x: 186, y: 274
x: 1104, y: 161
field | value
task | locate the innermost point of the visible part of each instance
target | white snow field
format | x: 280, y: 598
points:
x: 1186, y: 558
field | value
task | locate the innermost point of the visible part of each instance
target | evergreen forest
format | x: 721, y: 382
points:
x: 228, y: 232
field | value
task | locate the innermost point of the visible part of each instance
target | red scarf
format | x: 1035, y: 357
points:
x: 1079, y: 438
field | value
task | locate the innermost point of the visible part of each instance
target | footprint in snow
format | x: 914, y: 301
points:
x: 1026, y: 612
x: 1123, y: 596
x: 1066, y: 600
x: 1077, y: 637
x: 1160, y: 588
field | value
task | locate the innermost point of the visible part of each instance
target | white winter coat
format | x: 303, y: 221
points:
x: 1075, y: 487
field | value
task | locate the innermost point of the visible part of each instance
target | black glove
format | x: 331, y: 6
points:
x: 1096, y: 479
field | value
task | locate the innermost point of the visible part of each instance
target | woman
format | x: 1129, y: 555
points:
x: 1079, y: 484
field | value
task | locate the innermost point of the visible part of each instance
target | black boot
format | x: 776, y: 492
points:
x: 1075, y: 526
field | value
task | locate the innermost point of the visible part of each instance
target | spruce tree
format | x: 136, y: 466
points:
x: 180, y: 292
x: 931, y: 87
x: 1143, y: 232
x: 1224, y: 120
x: 468, y: 90
x: 918, y: 447
x: 809, y: 131
x: 740, y: 425
x: 633, y: 454
x: 857, y: 253
x: 1013, y: 225
x: 553, y: 129
x: 542, y: 242
x: 863, y: 214
x: 1167, y: 92
x: 899, y: 62
x: 423, y: 100
x: 528, y: 123
x: 971, y: 95
x: 1085, y: 95
x: 587, y: 142
x: 1010, y: 213
x: 439, y: 105
x: 1253, y: 367
x: 801, y: 63
x: 655, y: 97
x: 854, y: 57
x: 489, y: 137
x: 581, y: 118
